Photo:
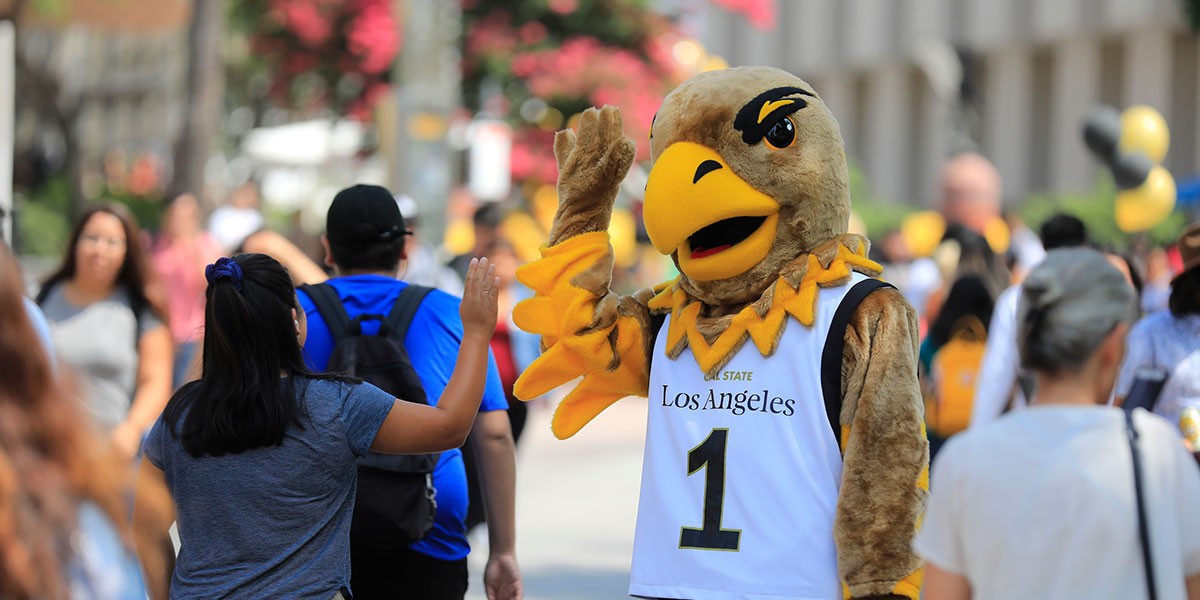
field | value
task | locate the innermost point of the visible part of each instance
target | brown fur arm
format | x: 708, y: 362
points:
x: 590, y: 170
x: 586, y: 328
x: 886, y: 455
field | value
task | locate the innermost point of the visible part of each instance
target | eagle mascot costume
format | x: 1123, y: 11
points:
x: 785, y: 448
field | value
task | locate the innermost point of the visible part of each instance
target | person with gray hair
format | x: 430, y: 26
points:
x: 1041, y: 503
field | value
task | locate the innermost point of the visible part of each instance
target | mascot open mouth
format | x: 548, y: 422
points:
x: 698, y: 209
x: 722, y: 235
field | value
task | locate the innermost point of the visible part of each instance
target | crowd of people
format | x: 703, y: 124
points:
x: 190, y: 372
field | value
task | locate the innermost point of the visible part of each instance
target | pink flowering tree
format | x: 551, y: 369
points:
x: 538, y: 63
x: 760, y: 13
x: 552, y: 59
x: 319, y: 55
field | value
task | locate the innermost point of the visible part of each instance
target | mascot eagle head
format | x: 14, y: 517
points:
x: 748, y: 173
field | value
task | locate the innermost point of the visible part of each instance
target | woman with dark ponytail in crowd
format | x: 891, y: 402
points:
x: 1044, y: 502
x: 259, y: 453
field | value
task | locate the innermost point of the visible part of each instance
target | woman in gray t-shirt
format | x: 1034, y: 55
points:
x: 260, y: 454
x: 105, y: 327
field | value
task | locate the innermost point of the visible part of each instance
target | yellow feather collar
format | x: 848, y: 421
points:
x: 714, y: 341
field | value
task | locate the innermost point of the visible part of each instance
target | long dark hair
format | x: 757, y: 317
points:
x: 1185, y: 293
x: 240, y: 403
x: 976, y: 257
x: 134, y: 276
x: 969, y: 296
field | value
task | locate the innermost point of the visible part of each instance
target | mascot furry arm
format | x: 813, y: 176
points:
x: 753, y: 248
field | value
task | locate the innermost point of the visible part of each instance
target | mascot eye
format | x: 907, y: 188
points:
x: 782, y: 134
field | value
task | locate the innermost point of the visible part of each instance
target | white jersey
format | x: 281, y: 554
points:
x: 741, y: 474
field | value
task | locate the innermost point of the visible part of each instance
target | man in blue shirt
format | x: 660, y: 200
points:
x: 364, y: 243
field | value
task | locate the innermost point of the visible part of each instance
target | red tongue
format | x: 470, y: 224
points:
x: 702, y: 252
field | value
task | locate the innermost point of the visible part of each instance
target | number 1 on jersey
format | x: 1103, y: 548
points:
x: 711, y: 454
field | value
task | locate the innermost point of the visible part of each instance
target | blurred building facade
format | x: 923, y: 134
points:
x: 116, y: 68
x: 914, y: 81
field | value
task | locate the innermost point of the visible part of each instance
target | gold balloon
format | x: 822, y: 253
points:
x: 545, y: 204
x: 460, y: 237
x: 997, y: 235
x: 524, y: 234
x: 1147, y: 205
x: 622, y: 233
x: 1144, y: 129
x: 922, y: 232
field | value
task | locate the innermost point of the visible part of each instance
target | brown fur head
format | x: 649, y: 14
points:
x: 748, y: 174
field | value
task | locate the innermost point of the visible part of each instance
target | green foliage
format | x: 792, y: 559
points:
x: 878, y: 216
x: 42, y: 220
x: 48, y: 9
x: 146, y: 209
x: 1191, y: 9
x: 1096, y: 210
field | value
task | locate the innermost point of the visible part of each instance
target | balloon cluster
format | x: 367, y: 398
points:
x: 1133, y: 144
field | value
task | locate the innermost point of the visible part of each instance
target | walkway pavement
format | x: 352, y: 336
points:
x: 576, y: 505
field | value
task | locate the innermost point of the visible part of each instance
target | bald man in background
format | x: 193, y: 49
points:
x: 970, y: 191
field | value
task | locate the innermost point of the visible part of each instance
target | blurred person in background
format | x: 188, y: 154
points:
x: 999, y: 387
x: 180, y: 253
x: 1170, y: 339
x: 970, y: 199
x: 40, y: 326
x: 514, y: 349
x: 970, y: 192
x: 64, y: 527
x: 486, y: 223
x: 1025, y: 247
x: 231, y: 223
x: 260, y: 452
x: 364, y: 243
x: 1127, y: 266
x: 1041, y: 503
x: 964, y: 252
x: 422, y: 265
x: 239, y: 227
x: 1157, y: 292
x: 107, y: 323
x: 950, y: 388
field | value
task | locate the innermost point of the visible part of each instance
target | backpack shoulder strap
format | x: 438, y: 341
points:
x: 397, y: 322
x: 1143, y: 527
x: 330, y: 306
x: 831, y: 356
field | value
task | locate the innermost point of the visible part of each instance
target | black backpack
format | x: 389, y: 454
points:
x: 395, y: 503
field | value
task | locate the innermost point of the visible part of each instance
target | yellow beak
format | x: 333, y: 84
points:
x: 691, y: 188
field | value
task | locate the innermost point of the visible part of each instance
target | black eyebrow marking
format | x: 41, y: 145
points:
x: 747, y: 120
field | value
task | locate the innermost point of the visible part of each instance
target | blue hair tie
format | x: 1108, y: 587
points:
x: 224, y: 268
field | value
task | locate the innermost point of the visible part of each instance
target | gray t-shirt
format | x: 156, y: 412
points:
x: 99, y: 342
x: 273, y: 522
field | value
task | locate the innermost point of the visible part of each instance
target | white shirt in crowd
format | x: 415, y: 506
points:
x: 997, y: 379
x: 232, y: 225
x: 1041, y: 504
x: 1167, y: 342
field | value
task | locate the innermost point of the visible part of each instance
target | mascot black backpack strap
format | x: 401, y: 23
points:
x: 835, y: 343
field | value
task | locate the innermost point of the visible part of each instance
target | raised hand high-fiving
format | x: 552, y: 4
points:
x: 591, y: 166
x: 480, y: 292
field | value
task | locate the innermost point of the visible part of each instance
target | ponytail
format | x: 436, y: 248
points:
x: 240, y: 401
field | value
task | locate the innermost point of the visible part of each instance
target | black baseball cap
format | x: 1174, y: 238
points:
x: 363, y: 215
